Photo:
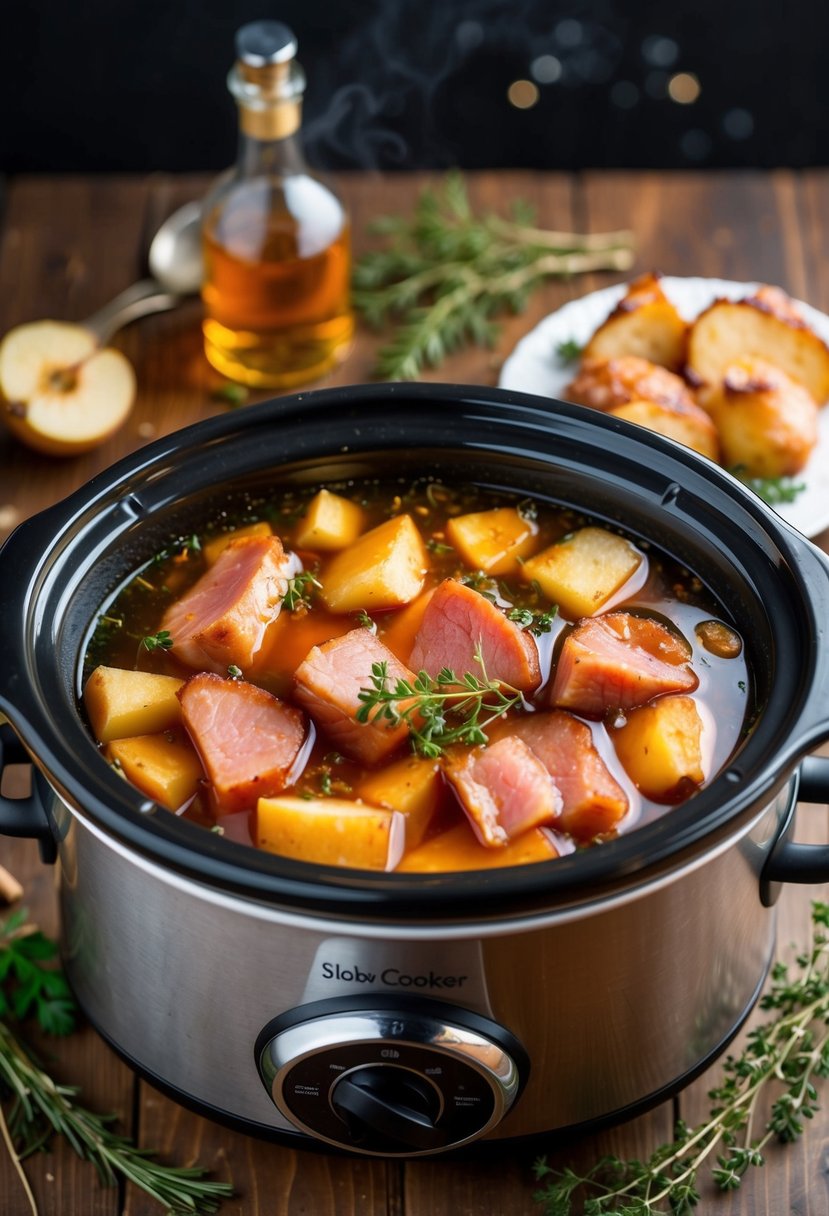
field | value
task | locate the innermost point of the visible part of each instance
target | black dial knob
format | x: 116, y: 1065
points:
x: 396, y: 1079
x: 381, y: 1102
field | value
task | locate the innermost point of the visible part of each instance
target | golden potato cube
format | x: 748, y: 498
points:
x: 581, y: 573
x: 164, y: 768
x: 458, y: 849
x: 384, y: 568
x: 493, y: 541
x: 122, y: 703
x: 331, y: 832
x: 643, y: 323
x: 330, y: 523
x: 659, y: 748
x: 214, y: 548
x: 411, y: 786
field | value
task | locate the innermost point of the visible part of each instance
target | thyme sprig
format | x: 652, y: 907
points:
x: 158, y: 641
x: 300, y: 591
x: 446, y: 273
x: 35, y: 1106
x: 439, y: 710
x: 535, y: 621
x: 792, y: 1050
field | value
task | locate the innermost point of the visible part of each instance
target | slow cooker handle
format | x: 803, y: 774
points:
x: 23, y: 816
x: 792, y: 862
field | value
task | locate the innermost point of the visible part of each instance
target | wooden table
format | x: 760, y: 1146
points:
x: 67, y: 245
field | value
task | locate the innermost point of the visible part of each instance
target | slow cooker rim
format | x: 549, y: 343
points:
x: 189, y: 849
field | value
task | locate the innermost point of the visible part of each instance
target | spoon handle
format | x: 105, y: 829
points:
x: 139, y: 300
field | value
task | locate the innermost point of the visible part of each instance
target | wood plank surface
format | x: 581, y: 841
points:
x: 66, y: 246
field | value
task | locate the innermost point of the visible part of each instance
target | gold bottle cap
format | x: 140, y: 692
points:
x: 266, y: 80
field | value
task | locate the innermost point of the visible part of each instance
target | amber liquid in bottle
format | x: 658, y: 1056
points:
x: 276, y: 290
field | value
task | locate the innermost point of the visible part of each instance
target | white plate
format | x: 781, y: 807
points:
x: 534, y: 367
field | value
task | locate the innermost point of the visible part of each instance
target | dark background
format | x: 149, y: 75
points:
x: 140, y: 84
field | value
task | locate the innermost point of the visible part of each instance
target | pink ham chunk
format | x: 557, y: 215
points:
x: 222, y: 619
x: 617, y: 662
x: 249, y: 741
x: 456, y: 621
x: 504, y: 789
x: 593, y: 801
x: 328, y: 684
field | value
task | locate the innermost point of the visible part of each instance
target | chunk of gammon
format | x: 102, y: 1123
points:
x: 250, y: 742
x: 222, y: 619
x: 457, y: 622
x: 619, y: 661
x: 504, y: 789
x: 328, y: 684
x: 331, y: 831
x: 593, y: 802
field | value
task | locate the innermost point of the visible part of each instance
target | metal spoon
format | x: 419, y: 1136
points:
x: 175, y: 261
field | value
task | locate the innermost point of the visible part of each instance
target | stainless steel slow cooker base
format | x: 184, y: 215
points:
x: 595, y: 1012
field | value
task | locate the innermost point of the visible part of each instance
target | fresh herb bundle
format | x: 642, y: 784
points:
x: 439, y: 710
x: 33, y: 1106
x: 446, y: 273
x: 791, y: 1051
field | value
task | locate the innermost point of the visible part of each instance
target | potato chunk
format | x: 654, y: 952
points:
x: 331, y: 831
x: 384, y: 568
x: 330, y: 523
x: 766, y: 325
x: 688, y: 425
x: 767, y: 422
x: 411, y: 786
x: 643, y: 323
x: 582, y: 573
x: 164, y: 768
x: 123, y: 703
x: 660, y: 750
x: 214, y: 548
x: 458, y: 849
x: 493, y: 541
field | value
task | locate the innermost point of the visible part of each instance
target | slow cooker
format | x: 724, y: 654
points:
x: 402, y: 1014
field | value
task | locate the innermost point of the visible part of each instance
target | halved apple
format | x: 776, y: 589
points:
x: 59, y: 392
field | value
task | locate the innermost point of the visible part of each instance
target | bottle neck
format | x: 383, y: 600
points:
x: 260, y: 156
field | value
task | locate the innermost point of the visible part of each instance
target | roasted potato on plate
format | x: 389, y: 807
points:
x: 688, y: 424
x: 643, y: 323
x: 764, y: 325
x: 604, y: 384
x: 766, y: 421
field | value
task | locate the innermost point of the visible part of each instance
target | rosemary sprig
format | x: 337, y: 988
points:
x: 36, y: 1106
x: 439, y: 710
x: 792, y: 1049
x: 446, y: 273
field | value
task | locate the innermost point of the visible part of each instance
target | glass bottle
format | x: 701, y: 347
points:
x: 276, y: 238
